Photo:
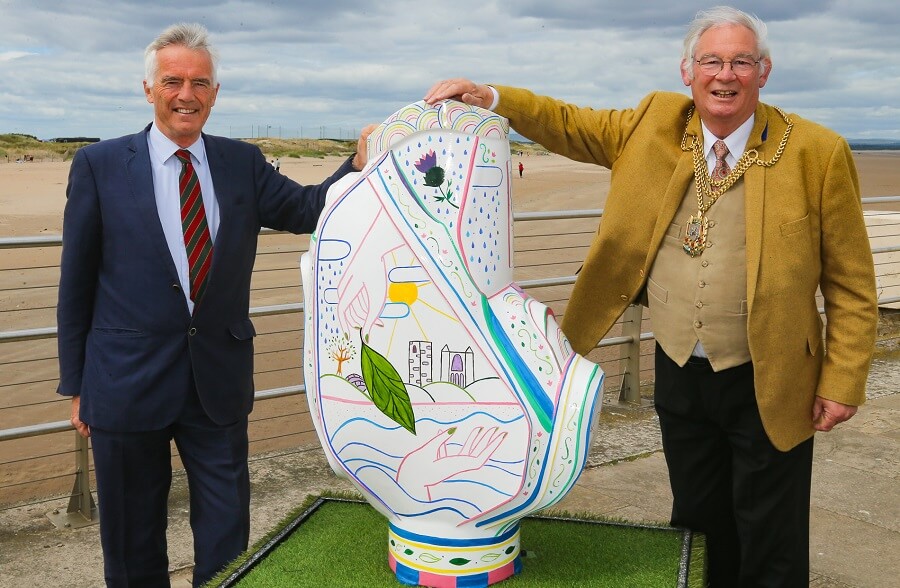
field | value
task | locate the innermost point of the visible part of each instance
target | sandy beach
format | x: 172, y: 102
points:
x: 32, y: 196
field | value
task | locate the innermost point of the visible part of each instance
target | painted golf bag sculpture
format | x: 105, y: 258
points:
x: 447, y: 395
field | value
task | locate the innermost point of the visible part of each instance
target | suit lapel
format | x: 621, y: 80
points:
x: 218, y: 171
x: 678, y: 185
x: 140, y: 179
x: 761, y: 139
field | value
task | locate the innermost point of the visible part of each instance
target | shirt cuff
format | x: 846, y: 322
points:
x: 496, y: 98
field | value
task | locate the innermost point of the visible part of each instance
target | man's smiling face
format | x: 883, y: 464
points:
x: 725, y: 100
x: 183, y: 92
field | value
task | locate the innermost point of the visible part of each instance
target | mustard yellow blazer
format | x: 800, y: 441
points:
x: 805, y: 230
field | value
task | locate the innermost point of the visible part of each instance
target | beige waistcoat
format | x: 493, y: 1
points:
x: 703, y: 298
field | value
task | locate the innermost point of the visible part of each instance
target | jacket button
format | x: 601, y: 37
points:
x: 623, y: 297
x: 702, y: 284
x: 704, y: 263
x: 697, y: 324
x: 176, y: 287
x: 192, y: 331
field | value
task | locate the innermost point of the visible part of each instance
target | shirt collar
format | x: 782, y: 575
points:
x: 736, y: 141
x: 162, y: 148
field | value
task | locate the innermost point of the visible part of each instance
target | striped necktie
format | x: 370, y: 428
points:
x: 197, y: 242
x: 720, y: 172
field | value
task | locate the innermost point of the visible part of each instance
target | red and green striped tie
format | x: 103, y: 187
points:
x: 197, y: 242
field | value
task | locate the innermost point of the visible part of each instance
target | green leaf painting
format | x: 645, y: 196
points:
x: 429, y: 558
x: 386, y: 389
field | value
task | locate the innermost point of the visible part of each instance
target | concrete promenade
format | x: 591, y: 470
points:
x: 855, y: 511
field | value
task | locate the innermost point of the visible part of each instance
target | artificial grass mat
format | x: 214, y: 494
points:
x: 336, y: 542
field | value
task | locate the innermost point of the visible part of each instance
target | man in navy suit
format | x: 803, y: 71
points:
x: 145, y: 359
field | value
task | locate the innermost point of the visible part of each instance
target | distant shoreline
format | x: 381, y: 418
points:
x: 874, y: 146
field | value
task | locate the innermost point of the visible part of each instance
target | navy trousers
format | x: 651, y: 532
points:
x: 728, y: 480
x: 134, y: 474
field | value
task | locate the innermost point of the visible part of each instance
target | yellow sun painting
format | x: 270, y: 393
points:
x: 405, y: 292
x: 413, y: 305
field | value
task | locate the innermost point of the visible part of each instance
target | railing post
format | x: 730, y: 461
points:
x: 81, y: 510
x: 630, y: 355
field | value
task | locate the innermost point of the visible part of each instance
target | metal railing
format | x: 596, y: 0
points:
x: 549, y: 249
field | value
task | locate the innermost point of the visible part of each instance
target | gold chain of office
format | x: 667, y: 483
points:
x: 708, y: 190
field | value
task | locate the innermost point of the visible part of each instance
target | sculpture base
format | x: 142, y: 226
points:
x: 439, y: 562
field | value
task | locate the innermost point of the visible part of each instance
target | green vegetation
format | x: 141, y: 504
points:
x: 317, y: 148
x: 527, y: 149
x: 16, y: 145
x: 345, y: 544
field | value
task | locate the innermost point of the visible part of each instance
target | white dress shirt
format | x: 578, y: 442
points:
x: 736, y: 142
x: 166, y: 168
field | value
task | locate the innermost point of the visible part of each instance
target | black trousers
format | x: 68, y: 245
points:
x: 728, y: 481
x: 134, y: 474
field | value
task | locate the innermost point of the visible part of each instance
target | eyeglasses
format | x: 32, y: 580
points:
x: 740, y: 66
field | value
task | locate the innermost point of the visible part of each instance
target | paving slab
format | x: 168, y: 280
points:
x: 642, y: 483
x: 856, y: 553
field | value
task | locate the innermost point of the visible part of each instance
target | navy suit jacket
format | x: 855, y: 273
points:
x: 127, y: 343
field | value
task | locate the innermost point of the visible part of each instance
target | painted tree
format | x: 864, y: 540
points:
x: 340, y: 348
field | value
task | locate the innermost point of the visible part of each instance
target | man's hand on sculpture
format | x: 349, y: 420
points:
x: 463, y: 90
x: 362, y: 149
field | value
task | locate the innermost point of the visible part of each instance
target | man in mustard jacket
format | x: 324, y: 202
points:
x: 726, y: 215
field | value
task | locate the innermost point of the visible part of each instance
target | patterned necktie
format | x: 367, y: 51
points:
x: 197, y: 242
x: 720, y: 172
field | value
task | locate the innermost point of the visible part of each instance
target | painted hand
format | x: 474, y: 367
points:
x: 362, y: 290
x: 434, y: 462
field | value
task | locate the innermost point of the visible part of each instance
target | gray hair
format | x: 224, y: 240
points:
x: 723, y: 16
x: 193, y: 36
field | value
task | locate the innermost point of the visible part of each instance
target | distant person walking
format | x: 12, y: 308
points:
x: 277, y: 165
x: 521, y: 169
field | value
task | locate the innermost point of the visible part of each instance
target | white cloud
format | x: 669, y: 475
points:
x: 10, y: 55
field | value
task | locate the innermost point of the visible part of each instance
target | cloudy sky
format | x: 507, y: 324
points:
x: 75, y: 68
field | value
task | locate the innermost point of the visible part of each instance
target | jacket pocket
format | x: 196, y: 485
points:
x: 657, y: 291
x: 789, y: 228
x: 118, y: 332
x: 242, y: 330
x: 674, y: 231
